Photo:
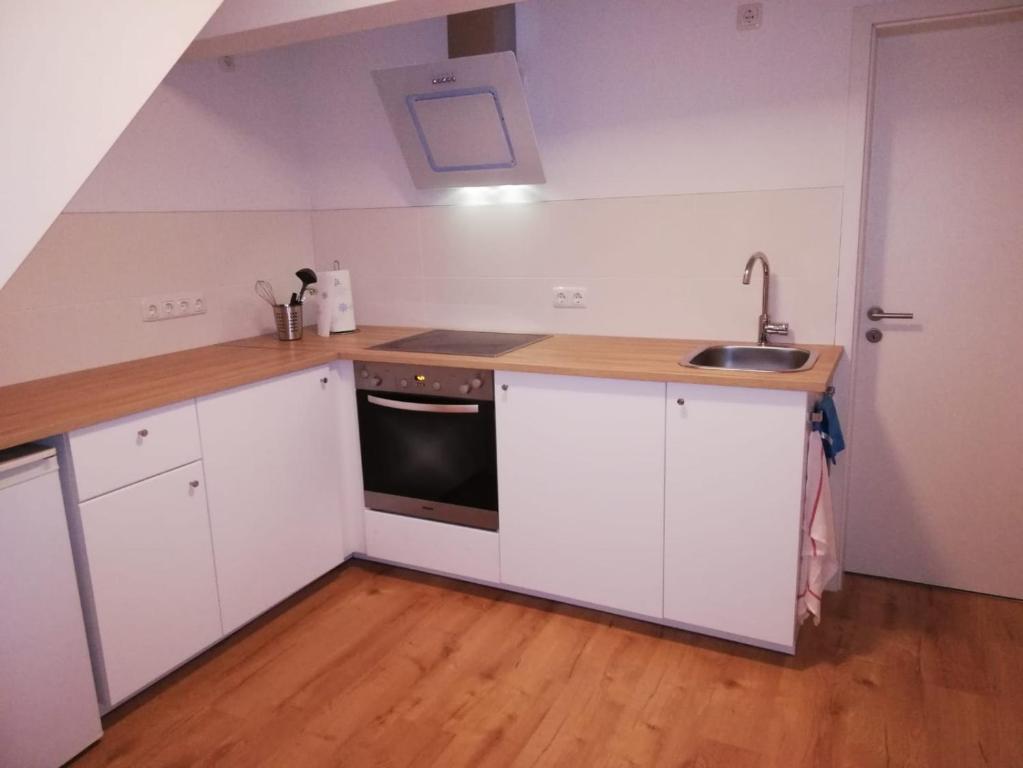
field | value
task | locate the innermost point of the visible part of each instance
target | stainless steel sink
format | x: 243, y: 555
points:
x: 752, y: 357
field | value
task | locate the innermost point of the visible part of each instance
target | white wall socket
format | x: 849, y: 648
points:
x: 569, y: 297
x: 168, y: 307
x: 749, y: 17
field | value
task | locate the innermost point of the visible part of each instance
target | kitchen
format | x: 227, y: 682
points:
x: 674, y: 145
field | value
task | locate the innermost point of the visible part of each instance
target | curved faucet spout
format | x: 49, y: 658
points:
x: 758, y: 256
x: 764, y: 325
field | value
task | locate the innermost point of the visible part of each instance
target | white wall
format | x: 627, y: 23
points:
x: 354, y: 158
x: 674, y: 146
x: 639, y: 98
x: 209, y: 140
x: 682, y: 144
x: 73, y: 75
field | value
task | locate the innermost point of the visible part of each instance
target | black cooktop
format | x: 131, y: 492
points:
x: 473, y: 343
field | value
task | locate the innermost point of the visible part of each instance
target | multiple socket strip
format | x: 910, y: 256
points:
x: 169, y: 307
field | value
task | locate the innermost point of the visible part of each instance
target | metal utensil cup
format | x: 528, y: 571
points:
x: 289, y: 321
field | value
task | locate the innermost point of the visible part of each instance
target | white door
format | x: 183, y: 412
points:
x: 273, y: 462
x: 153, y: 583
x: 580, y: 465
x: 936, y: 484
x: 732, y: 507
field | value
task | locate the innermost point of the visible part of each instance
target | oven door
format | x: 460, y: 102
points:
x: 429, y: 457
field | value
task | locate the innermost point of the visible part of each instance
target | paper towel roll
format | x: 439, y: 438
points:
x: 337, y: 309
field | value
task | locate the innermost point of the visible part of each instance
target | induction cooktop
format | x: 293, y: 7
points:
x: 472, y: 343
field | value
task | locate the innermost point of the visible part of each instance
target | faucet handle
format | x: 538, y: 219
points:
x: 777, y: 329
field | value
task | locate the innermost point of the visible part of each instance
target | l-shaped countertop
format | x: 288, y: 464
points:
x: 33, y: 410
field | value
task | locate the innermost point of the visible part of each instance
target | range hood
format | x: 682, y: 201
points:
x: 462, y: 122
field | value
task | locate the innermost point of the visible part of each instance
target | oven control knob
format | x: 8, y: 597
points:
x: 365, y: 373
x: 404, y: 382
x: 464, y: 388
x: 376, y: 381
x: 476, y: 382
x: 436, y: 385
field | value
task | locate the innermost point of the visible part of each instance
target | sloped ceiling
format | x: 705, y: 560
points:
x: 243, y: 26
x: 73, y: 76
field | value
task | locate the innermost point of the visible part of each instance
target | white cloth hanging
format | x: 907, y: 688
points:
x: 819, y: 550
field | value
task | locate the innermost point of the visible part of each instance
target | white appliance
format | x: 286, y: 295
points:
x: 48, y: 706
x: 337, y: 308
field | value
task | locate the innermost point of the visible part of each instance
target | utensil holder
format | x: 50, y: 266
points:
x: 289, y: 321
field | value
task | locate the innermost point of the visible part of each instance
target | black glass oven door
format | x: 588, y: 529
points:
x: 431, y: 457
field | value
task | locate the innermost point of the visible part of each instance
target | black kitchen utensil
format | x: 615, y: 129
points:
x: 308, y: 277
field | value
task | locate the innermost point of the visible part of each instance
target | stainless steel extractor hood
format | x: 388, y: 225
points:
x: 462, y: 122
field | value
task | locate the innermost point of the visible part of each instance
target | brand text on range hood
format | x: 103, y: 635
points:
x: 462, y: 122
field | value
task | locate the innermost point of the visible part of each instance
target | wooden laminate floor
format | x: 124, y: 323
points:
x: 375, y: 666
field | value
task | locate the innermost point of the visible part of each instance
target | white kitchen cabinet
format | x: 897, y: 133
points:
x: 273, y: 463
x: 735, y: 463
x: 115, y: 453
x: 580, y: 487
x: 151, y: 577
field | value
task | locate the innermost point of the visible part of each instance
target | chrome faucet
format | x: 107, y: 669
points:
x: 764, y: 324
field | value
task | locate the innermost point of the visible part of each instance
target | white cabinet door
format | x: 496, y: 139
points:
x: 272, y: 460
x: 151, y: 570
x: 581, y: 488
x: 733, y: 501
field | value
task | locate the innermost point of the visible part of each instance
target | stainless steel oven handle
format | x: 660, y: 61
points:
x: 401, y: 405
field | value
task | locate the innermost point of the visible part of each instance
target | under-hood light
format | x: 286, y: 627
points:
x: 506, y: 194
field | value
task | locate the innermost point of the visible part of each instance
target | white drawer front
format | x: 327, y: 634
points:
x: 439, y: 547
x: 119, y: 453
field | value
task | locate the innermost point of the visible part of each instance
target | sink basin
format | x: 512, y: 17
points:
x: 752, y: 357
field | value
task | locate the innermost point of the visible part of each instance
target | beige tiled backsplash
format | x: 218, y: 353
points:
x: 76, y: 301
x: 653, y: 266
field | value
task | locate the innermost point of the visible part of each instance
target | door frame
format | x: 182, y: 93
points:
x: 868, y: 23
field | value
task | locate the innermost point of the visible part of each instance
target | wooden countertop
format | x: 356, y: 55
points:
x: 37, y: 409
x: 612, y: 357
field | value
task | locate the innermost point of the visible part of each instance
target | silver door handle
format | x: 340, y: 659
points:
x: 401, y: 405
x: 876, y: 313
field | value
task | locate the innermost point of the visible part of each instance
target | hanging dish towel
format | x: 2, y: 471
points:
x: 820, y: 547
x: 826, y: 422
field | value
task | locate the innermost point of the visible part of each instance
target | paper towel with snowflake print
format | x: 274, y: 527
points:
x: 337, y: 309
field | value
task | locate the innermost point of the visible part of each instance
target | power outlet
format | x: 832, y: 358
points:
x: 169, y: 307
x: 749, y: 17
x: 569, y: 297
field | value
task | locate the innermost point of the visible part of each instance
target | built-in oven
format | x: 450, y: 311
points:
x: 428, y: 442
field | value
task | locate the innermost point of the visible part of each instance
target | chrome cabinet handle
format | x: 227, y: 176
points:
x: 143, y: 433
x: 193, y: 484
x: 876, y: 313
x: 324, y: 380
x: 401, y: 405
x: 681, y: 401
x: 504, y: 387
